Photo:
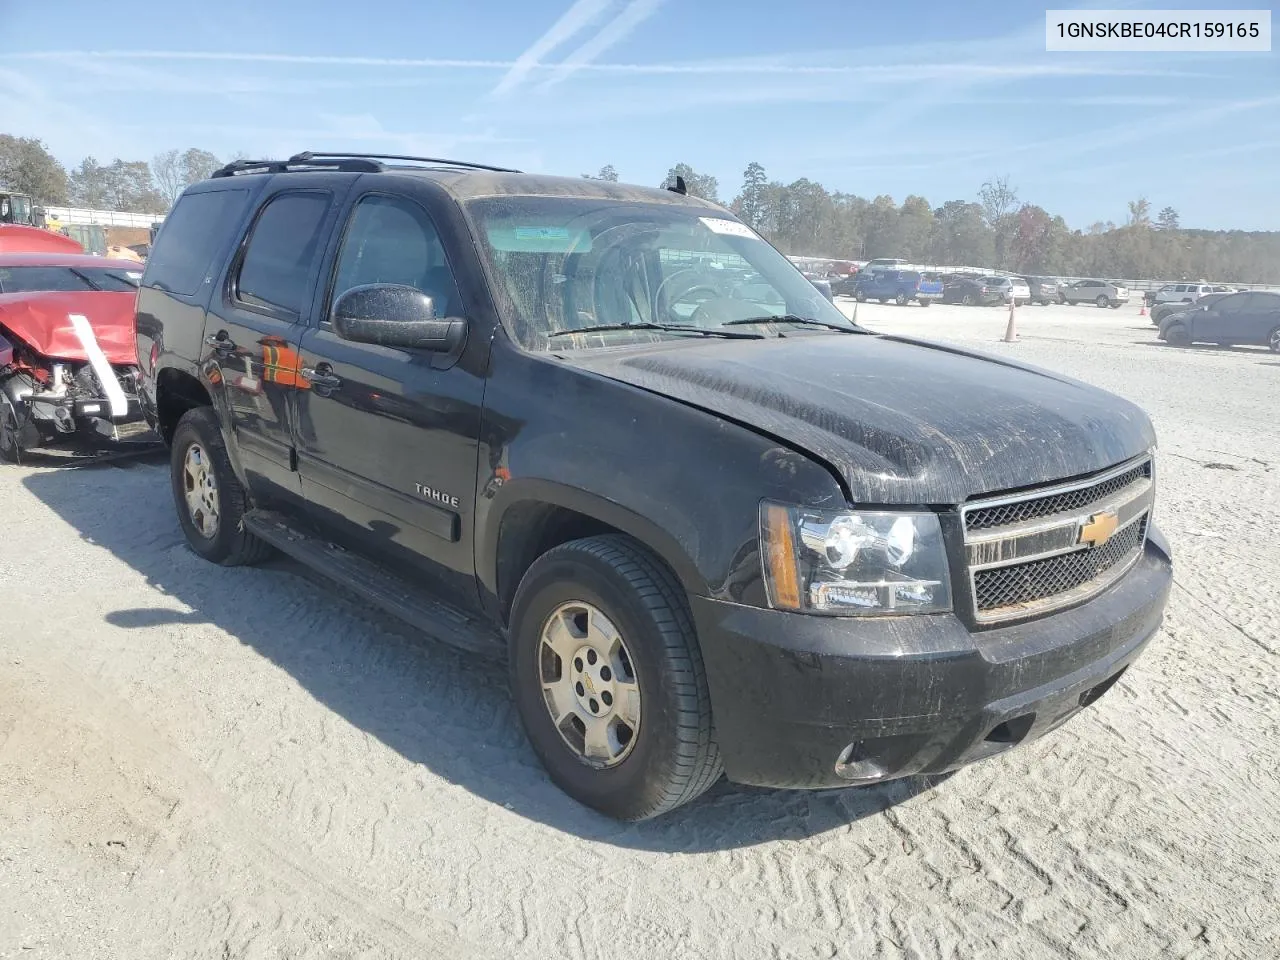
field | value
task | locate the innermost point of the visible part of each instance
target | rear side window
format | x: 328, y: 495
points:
x: 281, y: 252
x: 190, y: 237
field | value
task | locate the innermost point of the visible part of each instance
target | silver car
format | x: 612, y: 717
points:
x: 1009, y: 288
x: 1105, y: 293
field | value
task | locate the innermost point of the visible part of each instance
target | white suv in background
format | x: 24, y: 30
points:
x: 1105, y: 293
x: 1187, y: 292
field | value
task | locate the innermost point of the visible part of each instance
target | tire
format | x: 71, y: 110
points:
x: 900, y: 299
x: 1062, y: 301
x: 1177, y: 336
x: 967, y: 300
x: 1273, y: 340
x: 1101, y: 301
x: 199, y: 435
x: 860, y: 297
x: 670, y: 756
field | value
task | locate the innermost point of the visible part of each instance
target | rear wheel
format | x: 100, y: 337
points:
x: 1273, y: 340
x: 967, y: 300
x: 900, y: 299
x: 860, y: 297
x: 608, y: 679
x: 1101, y: 301
x: 211, y: 502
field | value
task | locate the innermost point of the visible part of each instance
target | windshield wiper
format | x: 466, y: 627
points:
x: 668, y: 327
x: 792, y: 318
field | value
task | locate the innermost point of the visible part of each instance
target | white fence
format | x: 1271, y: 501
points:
x: 104, y: 218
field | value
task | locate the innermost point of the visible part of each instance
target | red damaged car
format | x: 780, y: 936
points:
x: 68, y: 368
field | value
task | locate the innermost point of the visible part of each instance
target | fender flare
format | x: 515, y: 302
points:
x: 553, y: 493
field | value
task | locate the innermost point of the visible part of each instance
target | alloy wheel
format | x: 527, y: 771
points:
x: 200, y: 490
x: 589, y: 684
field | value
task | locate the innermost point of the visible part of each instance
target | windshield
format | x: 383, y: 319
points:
x: 54, y: 279
x: 563, y: 264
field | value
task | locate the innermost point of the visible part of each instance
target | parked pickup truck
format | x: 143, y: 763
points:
x: 900, y: 286
x: 711, y: 532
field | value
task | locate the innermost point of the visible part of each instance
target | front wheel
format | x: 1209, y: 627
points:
x: 967, y: 300
x: 900, y: 299
x: 1178, y: 336
x: 210, y: 500
x: 608, y: 679
x: 1273, y: 340
x: 860, y: 297
x: 1101, y: 301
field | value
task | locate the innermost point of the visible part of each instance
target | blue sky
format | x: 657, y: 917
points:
x: 925, y: 98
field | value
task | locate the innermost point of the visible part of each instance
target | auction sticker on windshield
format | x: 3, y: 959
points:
x: 729, y: 228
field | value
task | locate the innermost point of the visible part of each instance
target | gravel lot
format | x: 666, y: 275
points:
x: 199, y: 762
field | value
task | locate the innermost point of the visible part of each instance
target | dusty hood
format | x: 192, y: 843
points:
x: 903, y: 421
x: 40, y: 321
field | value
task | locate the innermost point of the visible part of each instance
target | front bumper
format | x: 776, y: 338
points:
x: 80, y: 409
x: 796, y: 696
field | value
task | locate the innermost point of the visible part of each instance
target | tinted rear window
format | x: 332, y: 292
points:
x: 190, y: 237
x: 282, y: 248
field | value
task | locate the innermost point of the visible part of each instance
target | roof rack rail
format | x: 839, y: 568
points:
x: 309, y: 156
x: 345, y: 165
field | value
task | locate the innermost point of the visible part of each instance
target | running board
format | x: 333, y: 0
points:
x: 376, y: 585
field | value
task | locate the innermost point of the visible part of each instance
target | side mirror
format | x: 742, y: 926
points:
x: 394, y: 315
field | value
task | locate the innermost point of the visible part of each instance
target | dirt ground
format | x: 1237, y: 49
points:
x: 201, y: 762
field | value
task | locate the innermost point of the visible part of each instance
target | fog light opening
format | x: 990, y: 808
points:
x: 854, y: 766
x: 1012, y: 731
x: 1093, y: 693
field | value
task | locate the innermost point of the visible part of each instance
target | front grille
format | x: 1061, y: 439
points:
x: 1026, y: 583
x: 1033, y: 508
x: 1040, y: 550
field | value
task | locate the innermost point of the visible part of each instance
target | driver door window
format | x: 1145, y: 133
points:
x: 391, y: 240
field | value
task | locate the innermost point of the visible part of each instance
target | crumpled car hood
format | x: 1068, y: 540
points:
x: 40, y: 321
x: 902, y: 421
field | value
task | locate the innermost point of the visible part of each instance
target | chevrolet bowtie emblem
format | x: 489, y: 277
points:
x: 1099, y: 529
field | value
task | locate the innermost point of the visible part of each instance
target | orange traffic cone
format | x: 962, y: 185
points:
x: 1143, y: 311
x: 1010, y: 334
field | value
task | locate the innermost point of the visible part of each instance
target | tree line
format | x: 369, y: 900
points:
x: 994, y: 229
x: 137, y: 186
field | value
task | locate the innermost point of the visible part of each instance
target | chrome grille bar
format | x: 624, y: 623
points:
x: 1040, y: 550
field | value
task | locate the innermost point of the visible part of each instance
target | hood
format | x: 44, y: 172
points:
x: 40, y: 320
x: 17, y: 238
x: 902, y: 421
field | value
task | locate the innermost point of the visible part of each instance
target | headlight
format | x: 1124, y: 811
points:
x: 853, y: 563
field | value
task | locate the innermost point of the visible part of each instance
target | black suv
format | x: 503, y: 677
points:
x: 713, y: 525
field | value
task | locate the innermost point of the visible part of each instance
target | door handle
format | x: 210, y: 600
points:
x: 322, y: 376
x: 220, y: 342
